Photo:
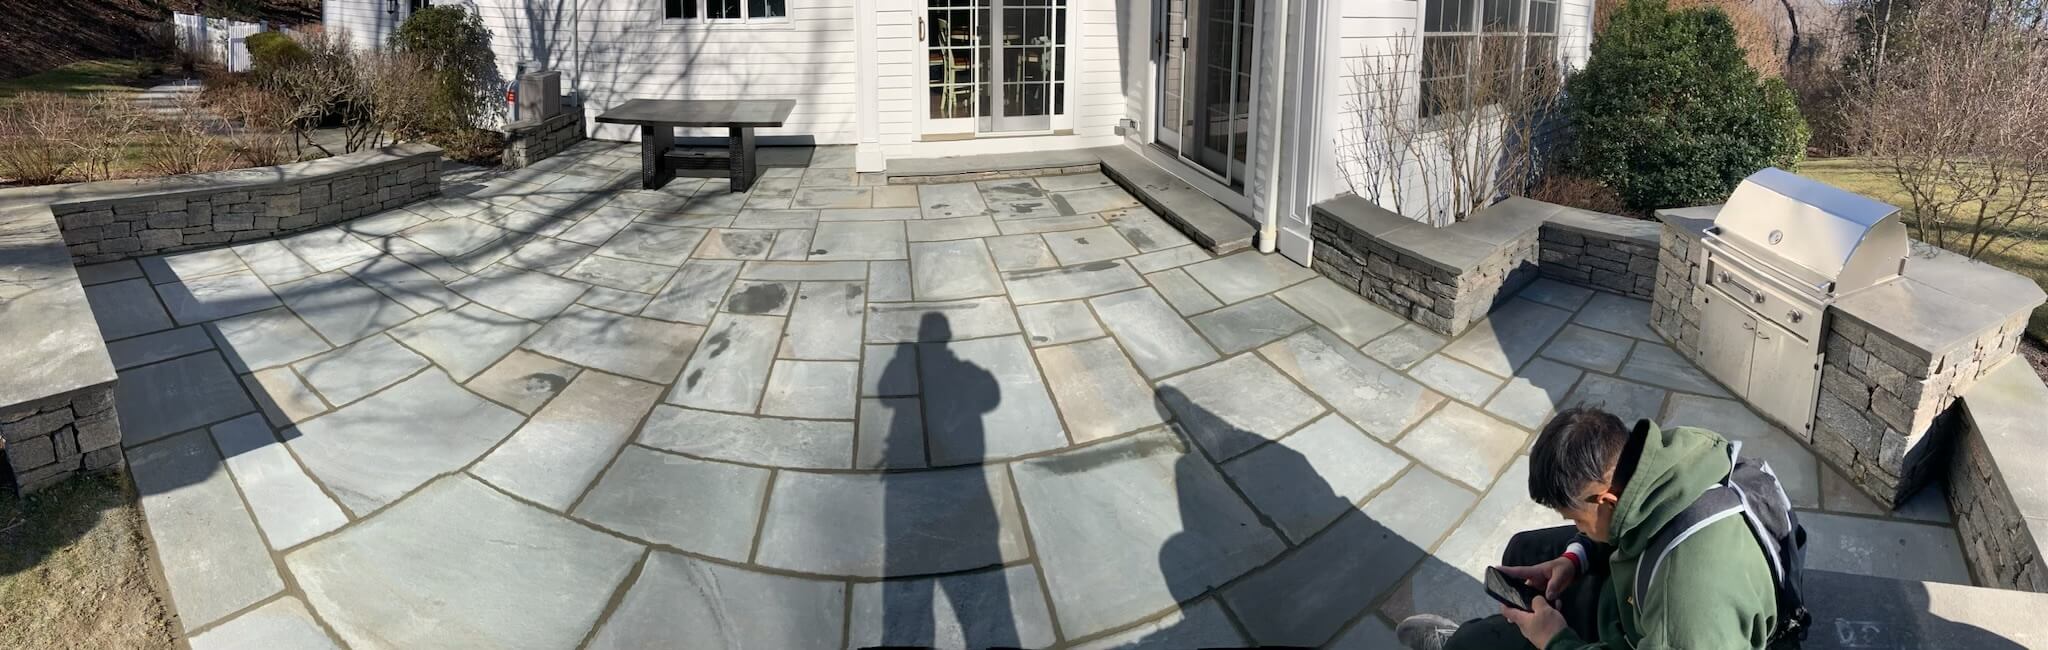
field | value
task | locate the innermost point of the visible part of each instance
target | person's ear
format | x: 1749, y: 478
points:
x: 1609, y: 499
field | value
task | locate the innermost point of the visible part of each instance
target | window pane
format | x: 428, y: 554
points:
x: 1503, y: 15
x: 679, y: 9
x: 723, y: 9
x: 765, y: 9
x: 1443, y: 56
x: 1432, y: 15
x: 1542, y: 17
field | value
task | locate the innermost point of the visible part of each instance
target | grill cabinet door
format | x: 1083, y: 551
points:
x: 1782, y: 378
x: 1727, y: 336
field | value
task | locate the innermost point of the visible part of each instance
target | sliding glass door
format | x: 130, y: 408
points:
x: 995, y: 65
x: 1205, y: 83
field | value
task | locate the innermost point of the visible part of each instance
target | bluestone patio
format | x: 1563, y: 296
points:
x: 552, y: 411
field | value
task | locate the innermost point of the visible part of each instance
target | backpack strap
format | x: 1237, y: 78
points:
x: 1717, y: 503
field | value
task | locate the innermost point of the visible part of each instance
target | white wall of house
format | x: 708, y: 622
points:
x: 858, y: 70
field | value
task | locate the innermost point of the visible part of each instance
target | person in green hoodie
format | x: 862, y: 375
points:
x: 1619, y: 486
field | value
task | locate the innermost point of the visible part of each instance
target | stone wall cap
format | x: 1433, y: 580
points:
x: 208, y: 182
x: 1944, y: 301
x: 2005, y: 408
x: 1456, y: 248
x: 1607, y: 226
x: 53, y: 343
x: 1692, y: 221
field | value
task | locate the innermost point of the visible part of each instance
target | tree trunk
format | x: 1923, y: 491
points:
x: 1792, y: 52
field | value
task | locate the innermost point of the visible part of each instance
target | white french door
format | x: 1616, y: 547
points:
x: 1205, y: 84
x: 995, y: 66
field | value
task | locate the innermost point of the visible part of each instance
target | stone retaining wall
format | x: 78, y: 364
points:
x: 47, y: 441
x: 113, y: 220
x: 1995, y: 485
x: 1885, y: 411
x: 1602, y: 251
x: 1673, y: 315
x: 1445, y: 279
x: 529, y: 142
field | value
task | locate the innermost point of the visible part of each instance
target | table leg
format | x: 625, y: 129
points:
x: 741, y: 140
x: 655, y: 142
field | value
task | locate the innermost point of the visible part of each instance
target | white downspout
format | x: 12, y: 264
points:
x: 1269, y: 223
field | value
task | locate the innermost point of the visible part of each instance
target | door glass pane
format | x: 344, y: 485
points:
x: 1222, y: 94
x: 953, y: 55
x: 1172, y: 64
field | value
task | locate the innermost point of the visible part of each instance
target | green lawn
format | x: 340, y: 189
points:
x: 83, y: 77
x: 1864, y: 177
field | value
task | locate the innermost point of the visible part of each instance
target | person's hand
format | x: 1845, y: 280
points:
x: 1552, y: 576
x: 1539, y: 625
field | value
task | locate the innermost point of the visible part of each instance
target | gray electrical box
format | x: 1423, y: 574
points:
x: 540, y: 95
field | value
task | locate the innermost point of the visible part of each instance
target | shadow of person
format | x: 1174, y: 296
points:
x: 968, y: 536
x: 1328, y: 565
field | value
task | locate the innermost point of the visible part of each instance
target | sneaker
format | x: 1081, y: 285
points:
x: 1425, y: 631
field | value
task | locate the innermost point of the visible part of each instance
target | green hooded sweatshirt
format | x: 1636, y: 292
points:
x: 1713, y: 591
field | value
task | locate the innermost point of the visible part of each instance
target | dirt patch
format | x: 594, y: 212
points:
x: 2037, y: 356
x: 74, y: 569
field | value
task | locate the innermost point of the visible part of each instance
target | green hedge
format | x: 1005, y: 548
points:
x: 1668, y: 113
x: 273, y: 51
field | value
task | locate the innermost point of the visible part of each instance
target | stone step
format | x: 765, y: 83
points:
x: 1203, y: 219
x: 1852, y: 611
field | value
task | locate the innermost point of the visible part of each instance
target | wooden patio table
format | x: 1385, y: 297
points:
x: 658, y: 119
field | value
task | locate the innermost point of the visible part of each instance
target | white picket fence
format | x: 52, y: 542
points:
x: 215, y: 39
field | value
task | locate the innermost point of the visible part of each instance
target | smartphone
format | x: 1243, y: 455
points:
x: 1510, y: 591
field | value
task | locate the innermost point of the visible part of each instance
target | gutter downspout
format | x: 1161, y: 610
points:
x: 1269, y: 223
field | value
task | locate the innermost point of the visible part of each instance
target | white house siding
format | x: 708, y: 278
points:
x: 1379, y: 28
x: 365, y: 22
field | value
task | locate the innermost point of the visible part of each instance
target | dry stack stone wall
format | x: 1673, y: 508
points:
x: 2004, y: 545
x: 529, y: 142
x: 1672, y: 312
x: 1602, y: 251
x: 49, y: 440
x: 113, y: 220
x: 1445, y: 279
x: 1885, y: 406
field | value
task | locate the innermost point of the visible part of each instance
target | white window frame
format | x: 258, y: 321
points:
x: 1478, y: 35
x: 703, y: 16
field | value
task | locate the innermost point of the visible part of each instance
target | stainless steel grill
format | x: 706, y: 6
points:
x: 1780, y: 251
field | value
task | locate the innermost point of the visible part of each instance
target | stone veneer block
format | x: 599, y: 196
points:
x: 1999, y: 497
x: 1604, y: 251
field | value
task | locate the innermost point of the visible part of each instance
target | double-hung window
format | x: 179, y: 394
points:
x: 724, y: 10
x: 1466, y: 43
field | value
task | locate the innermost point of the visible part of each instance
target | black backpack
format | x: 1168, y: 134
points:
x: 1751, y: 491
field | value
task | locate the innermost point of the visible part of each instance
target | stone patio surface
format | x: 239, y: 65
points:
x: 552, y: 411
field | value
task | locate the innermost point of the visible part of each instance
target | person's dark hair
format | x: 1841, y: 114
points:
x: 1573, y: 450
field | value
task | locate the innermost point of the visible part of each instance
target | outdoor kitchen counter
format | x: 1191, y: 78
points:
x: 1943, y: 301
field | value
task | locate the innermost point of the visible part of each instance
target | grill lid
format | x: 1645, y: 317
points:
x: 1839, y: 236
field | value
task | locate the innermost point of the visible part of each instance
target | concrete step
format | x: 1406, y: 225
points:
x: 1852, y: 611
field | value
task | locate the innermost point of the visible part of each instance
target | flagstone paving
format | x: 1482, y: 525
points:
x: 549, y: 411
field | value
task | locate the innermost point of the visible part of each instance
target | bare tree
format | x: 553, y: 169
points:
x: 1382, y: 138
x: 1960, y: 121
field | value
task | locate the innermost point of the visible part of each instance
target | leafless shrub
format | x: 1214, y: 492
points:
x: 1960, y: 121
x: 1448, y: 149
x: 261, y: 121
x: 187, y: 140
x: 111, y: 122
x: 400, y: 89
x: 1577, y: 191
x: 35, y: 138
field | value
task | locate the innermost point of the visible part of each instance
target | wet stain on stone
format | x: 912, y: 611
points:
x: 1060, y: 203
x: 1097, y: 266
x: 854, y: 291
x: 691, y: 381
x: 1139, y: 239
x: 1081, y: 240
x: 758, y: 299
x: 719, y: 343
x: 544, y: 382
x: 819, y: 251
